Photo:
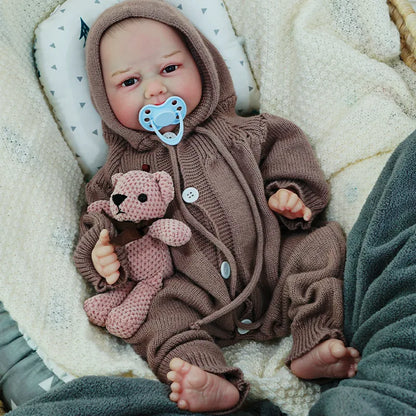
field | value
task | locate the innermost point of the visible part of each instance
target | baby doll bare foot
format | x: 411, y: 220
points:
x: 199, y: 391
x: 330, y: 359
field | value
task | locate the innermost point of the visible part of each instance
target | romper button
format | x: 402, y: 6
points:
x: 244, y: 331
x: 190, y: 195
x: 225, y: 270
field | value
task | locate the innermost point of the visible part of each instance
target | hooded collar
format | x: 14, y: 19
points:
x: 217, y: 89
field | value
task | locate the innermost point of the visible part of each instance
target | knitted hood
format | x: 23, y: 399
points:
x: 217, y: 88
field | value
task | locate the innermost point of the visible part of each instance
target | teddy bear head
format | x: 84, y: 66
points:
x: 140, y: 195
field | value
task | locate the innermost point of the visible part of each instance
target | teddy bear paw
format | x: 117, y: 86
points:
x: 96, y: 312
x: 124, y: 323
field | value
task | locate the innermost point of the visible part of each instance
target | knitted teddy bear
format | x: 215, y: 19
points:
x: 138, y: 201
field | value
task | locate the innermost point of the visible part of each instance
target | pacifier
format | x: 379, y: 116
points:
x: 155, y: 117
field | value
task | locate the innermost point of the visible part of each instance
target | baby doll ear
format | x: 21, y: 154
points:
x: 115, y: 178
x: 166, y: 186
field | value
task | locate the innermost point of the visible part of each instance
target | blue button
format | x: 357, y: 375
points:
x: 225, y: 270
x: 244, y: 331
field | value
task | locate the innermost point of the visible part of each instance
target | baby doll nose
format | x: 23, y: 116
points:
x: 118, y: 199
x: 154, y: 88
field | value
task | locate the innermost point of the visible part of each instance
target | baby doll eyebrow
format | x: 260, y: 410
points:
x: 121, y: 71
x: 171, y: 54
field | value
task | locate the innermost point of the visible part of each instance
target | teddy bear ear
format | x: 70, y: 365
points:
x: 115, y: 178
x: 166, y: 185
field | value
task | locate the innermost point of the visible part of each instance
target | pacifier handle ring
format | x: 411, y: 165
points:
x: 174, y: 140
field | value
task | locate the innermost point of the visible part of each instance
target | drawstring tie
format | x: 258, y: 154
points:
x: 243, y: 296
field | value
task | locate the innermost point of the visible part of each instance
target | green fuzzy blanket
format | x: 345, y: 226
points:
x: 380, y: 297
x: 109, y: 396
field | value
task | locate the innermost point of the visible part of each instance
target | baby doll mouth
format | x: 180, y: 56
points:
x: 159, y: 102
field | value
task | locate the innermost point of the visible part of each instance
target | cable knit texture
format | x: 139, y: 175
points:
x: 331, y: 66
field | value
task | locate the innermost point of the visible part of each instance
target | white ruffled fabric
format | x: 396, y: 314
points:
x: 329, y: 65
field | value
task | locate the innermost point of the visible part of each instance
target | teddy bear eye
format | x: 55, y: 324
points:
x: 142, y: 197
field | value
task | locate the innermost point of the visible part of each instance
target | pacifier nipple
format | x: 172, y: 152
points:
x: 155, y: 117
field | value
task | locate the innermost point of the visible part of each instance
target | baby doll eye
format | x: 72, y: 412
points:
x: 142, y: 197
x: 170, y: 68
x: 129, y: 82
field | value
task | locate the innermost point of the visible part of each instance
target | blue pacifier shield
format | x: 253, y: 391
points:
x: 155, y: 117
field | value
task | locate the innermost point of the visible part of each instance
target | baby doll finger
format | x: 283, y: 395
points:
x: 297, y: 207
x: 293, y: 204
x: 111, y: 268
x: 112, y: 278
x: 108, y: 259
x: 274, y: 203
x: 103, y: 251
x: 307, y: 214
x: 104, y: 237
x: 283, y: 196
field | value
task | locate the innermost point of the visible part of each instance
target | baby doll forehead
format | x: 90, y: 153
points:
x: 155, y: 27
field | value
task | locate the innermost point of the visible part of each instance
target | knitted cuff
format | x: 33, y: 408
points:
x: 91, y: 226
x: 209, y: 357
x: 309, y: 335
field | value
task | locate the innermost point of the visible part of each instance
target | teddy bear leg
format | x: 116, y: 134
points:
x: 126, y: 319
x: 99, y: 306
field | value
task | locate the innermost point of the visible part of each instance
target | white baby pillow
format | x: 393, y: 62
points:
x: 60, y: 60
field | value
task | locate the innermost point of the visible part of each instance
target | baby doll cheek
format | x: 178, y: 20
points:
x: 126, y: 113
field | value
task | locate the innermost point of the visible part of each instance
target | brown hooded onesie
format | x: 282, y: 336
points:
x: 247, y: 273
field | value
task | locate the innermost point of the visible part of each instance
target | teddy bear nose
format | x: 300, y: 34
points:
x: 118, y: 199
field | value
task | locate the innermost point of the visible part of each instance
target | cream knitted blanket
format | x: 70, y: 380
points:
x: 329, y: 65
x: 332, y: 67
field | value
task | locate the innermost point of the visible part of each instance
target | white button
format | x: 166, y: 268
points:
x: 190, y: 195
x: 244, y: 331
x: 225, y: 269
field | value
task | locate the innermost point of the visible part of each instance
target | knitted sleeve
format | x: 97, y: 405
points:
x: 91, y: 224
x: 288, y: 161
x: 90, y: 228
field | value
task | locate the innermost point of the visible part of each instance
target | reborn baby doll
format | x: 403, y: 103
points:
x: 260, y: 265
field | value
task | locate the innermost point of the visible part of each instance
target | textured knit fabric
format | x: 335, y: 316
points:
x: 285, y: 274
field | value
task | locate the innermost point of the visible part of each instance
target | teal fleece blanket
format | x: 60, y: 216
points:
x: 380, y: 297
x: 109, y: 396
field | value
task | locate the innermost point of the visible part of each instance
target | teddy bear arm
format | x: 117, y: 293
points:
x: 99, y: 206
x: 171, y: 232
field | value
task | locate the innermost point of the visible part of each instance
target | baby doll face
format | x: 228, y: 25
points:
x: 146, y: 62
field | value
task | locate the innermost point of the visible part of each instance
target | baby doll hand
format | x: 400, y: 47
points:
x: 288, y: 204
x: 105, y: 259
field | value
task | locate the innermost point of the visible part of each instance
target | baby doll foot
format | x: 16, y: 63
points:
x: 330, y: 359
x: 199, y: 391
